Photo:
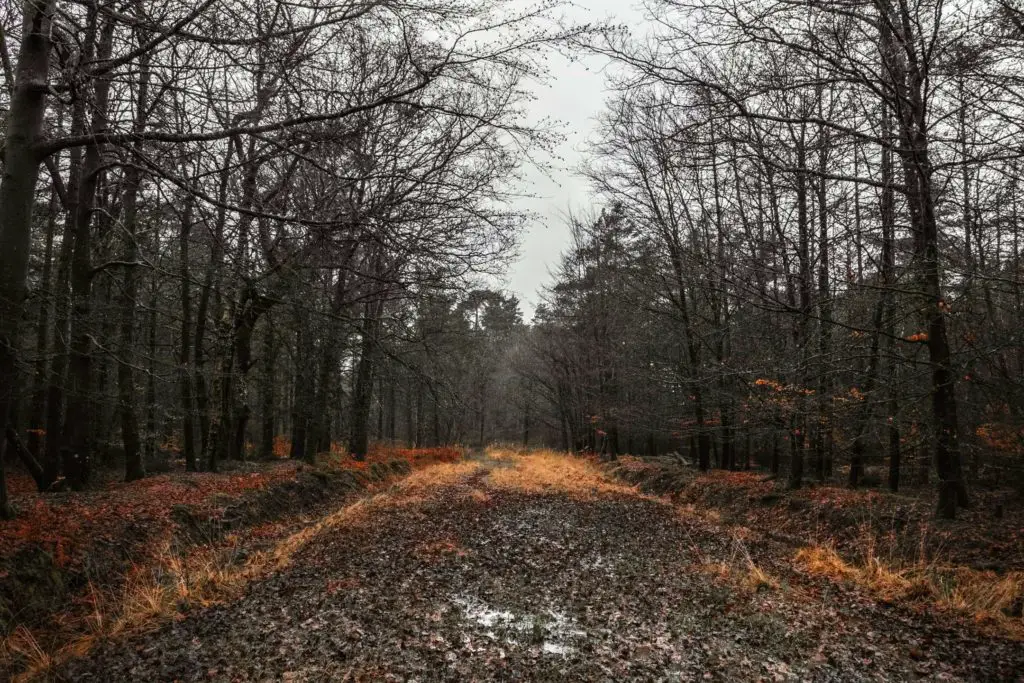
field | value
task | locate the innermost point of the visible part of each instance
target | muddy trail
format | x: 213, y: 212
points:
x: 513, y: 569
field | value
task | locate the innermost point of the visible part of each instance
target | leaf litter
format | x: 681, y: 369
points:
x: 588, y: 583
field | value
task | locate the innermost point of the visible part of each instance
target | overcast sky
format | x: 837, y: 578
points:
x: 574, y: 95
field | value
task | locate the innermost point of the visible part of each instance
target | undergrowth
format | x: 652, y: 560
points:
x: 993, y: 600
x: 169, y: 580
x: 547, y: 471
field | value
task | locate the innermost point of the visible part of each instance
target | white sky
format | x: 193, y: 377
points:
x: 574, y: 95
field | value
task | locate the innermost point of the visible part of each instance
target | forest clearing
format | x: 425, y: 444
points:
x: 543, y: 566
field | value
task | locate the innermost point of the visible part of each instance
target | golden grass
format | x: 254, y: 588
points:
x: 149, y: 596
x: 984, y: 595
x: 748, y: 576
x: 428, y: 478
x: 477, y: 495
x: 824, y: 561
x: 506, y: 452
x: 22, y: 643
x: 720, y: 571
x: 752, y: 578
x: 549, y: 471
x: 756, y: 579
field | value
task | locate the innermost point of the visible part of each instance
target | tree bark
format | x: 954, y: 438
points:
x: 362, y: 393
x: 134, y: 463
x: 17, y: 194
x: 802, y: 331
x: 37, y: 412
x: 911, y: 90
x: 78, y: 428
x: 823, y: 450
x: 267, y: 393
x: 303, y: 396
x: 185, y: 359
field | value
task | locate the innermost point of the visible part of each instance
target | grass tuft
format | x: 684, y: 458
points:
x: 548, y: 471
x: 986, y: 596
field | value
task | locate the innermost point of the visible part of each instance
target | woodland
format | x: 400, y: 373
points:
x: 247, y: 245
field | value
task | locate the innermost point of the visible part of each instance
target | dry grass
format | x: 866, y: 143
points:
x: 991, y: 599
x: 753, y: 578
x: 757, y: 579
x: 507, y: 452
x: 157, y: 593
x: 824, y: 561
x: 718, y: 571
x: 147, y: 598
x: 23, y: 644
x: 747, y: 576
x: 429, y: 478
x: 412, y: 489
x: 477, y: 495
x: 548, y: 471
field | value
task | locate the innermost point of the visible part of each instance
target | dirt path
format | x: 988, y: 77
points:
x: 473, y: 579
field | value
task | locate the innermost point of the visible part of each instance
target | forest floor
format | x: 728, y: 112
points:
x: 545, y: 567
x: 78, y: 568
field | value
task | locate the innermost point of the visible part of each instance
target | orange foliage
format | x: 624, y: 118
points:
x: 781, y: 388
x: 67, y: 525
x: 171, y: 445
x: 1001, y: 437
x: 417, y: 456
x: 384, y: 452
x: 282, y: 447
x: 137, y: 518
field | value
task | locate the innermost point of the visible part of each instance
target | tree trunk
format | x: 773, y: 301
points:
x: 301, y: 449
x: 420, y: 416
x: 526, y: 424
x: 252, y: 308
x: 911, y: 88
x: 392, y: 433
x: 78, y: 426
x: 199, y: 357
x: 17, y: 194
x: 267, y: 393
x: 151, y: 407
x: 824, y: 430
x: 134, y: 468
x: 803, y: 326
x: 55, y: 391
x: 134, y: 464
x: 362, y: 393
x: 894, y: 456
x: 6, y: 511
x: 775, y: 464
x: 185, y: 358
x: 37, y: 413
